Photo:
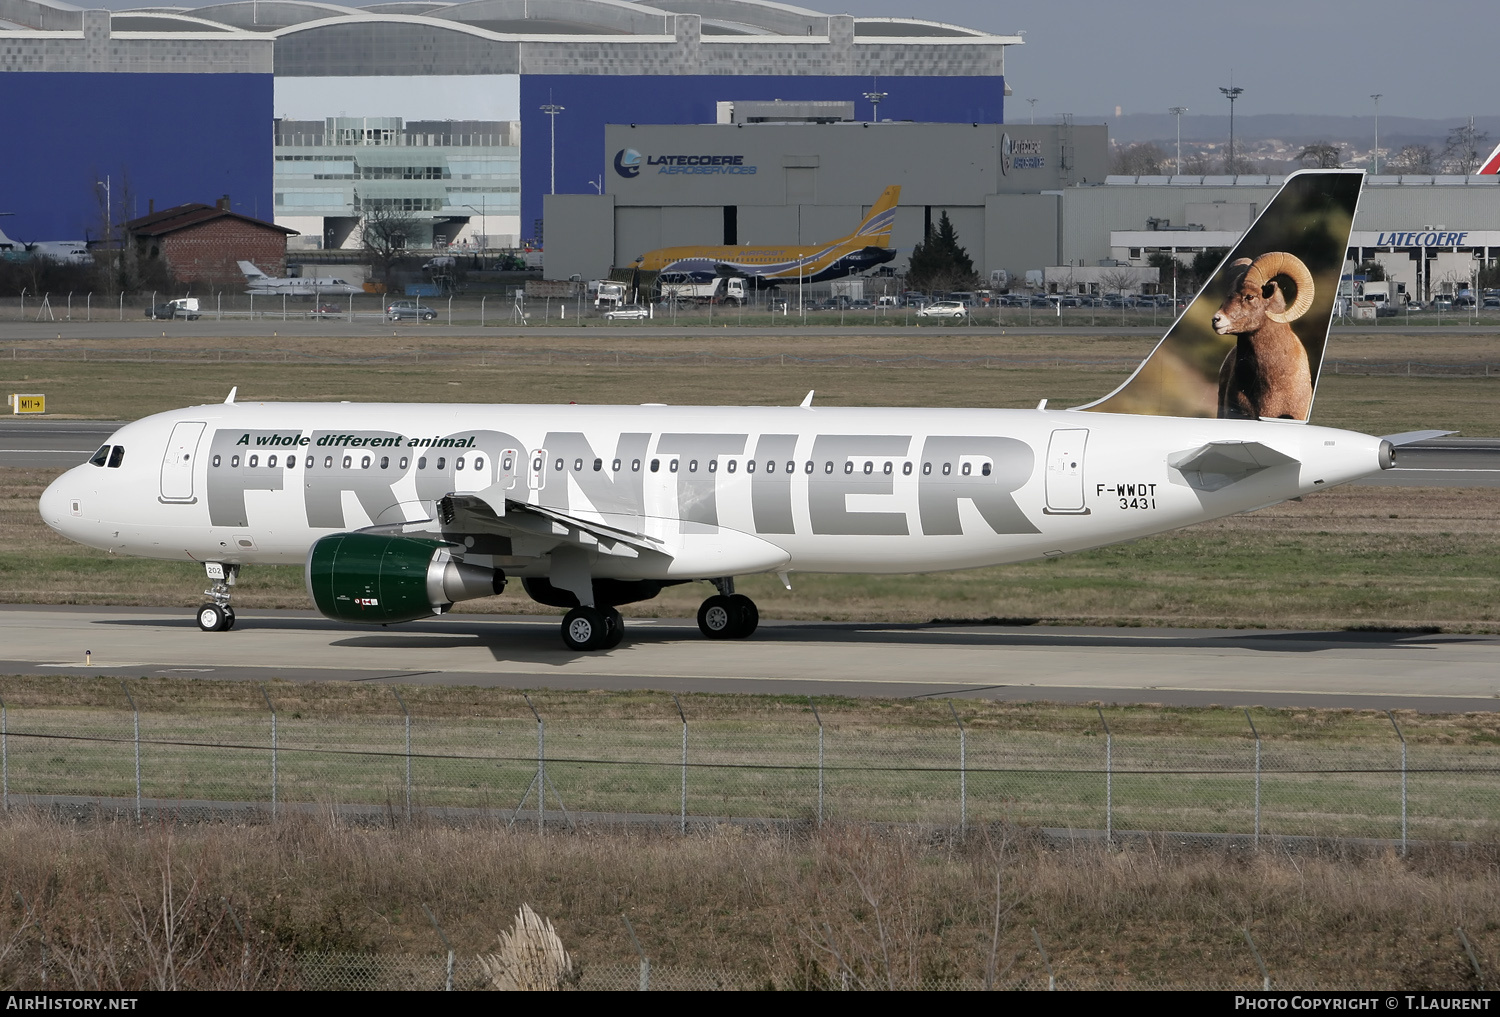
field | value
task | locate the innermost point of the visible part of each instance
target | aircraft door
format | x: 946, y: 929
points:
x: 508, y: 458
x: 1065, y: 454
x: 178, y: 461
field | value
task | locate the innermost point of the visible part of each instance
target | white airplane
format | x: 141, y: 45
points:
x: 398, y: 511
x: 260, y: 283
x: 69, y: 251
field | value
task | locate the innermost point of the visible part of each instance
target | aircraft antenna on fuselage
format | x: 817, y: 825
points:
x: 807, y: 399
x: 229, y: 399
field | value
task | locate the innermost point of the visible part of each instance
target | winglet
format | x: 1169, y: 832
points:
x: 807, y: 399
x: 229, y: 399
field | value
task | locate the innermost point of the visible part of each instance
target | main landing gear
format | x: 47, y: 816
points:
x: 593, y: 628
x: 216, y: 615
x: 728, y: 615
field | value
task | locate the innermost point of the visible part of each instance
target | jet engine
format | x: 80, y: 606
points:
x: 380, y: 579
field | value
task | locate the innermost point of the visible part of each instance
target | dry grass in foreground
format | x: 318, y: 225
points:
x: 791, y: 910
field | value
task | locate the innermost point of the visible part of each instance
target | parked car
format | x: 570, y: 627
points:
x: 860, y: 305
x: 630, y: 312
x: 1492, y: 301
x: 945, y: 309
x: 183, y: 307
x: 326, y: 311
x: 398, y: 309
x: 888, y: 302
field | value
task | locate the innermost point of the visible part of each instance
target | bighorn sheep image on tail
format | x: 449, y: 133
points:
x: 1267, y: 373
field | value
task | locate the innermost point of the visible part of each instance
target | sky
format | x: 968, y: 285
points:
x: 1433, y: 59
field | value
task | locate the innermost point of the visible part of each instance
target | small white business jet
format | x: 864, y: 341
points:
x: 398, y: 511
x: 259, y: 283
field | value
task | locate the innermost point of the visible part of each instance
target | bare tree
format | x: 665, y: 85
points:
x: 384, y: 232
x: 1411, y: 159
x: 1144, y: 159
x: 1117, y: 281
x: 1197, y: 164
x: 1464, y: 149
x: 1321, y: 155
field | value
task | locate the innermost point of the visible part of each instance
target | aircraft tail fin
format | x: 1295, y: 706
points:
x: 875, y: 231
x: 251, y: 272
x: 1250, y: 345
x: 1491, y: 164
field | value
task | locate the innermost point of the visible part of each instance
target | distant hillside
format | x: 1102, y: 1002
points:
x: 1289, y: 127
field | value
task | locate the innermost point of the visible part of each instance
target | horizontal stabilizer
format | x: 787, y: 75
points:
x: 1412, y: 437
x: 1221, y: 463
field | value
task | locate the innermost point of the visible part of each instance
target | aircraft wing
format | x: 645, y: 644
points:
x: 1218, y: 464
x: 535, y: 529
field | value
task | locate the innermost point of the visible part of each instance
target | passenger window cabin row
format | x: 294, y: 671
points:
x: 348, y: 462
x: 887, y: 468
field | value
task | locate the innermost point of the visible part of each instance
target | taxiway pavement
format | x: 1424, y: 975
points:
x: 1365, y: 670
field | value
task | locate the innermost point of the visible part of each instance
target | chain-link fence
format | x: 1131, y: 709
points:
x: 144, y: 747
x: 513, y: 307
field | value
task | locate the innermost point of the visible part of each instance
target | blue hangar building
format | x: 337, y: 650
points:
x: 460, y: 115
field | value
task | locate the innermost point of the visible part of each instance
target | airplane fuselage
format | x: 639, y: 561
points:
x: 720, y: 491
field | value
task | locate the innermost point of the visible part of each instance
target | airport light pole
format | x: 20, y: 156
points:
x: 1033, y: 109
x: 1376, y: 157
x: 552, y: 110
x: 1231, y: 93
x: 484, y: 220
x: 875, y: 98
x: 1177, y: 112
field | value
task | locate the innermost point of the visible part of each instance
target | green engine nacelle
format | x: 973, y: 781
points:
x: 378, y: 579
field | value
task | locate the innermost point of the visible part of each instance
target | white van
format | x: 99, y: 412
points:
x: 888, y: 302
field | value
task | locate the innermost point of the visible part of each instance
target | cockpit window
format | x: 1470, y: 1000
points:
x: 117, y: 457
x: 101, y: 457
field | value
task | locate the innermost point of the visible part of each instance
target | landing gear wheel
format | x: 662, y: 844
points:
x: 212, y: 618
x: 614, y: 629
x: 749, y: 615
x: 719, y: 617
x: 585, y: 628
x: 228, y: 617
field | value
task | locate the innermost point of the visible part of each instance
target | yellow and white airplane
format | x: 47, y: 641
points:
x: 865, y: 248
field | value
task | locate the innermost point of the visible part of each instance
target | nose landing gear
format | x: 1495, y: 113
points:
x: 216, y: 615
x: 728, y: 615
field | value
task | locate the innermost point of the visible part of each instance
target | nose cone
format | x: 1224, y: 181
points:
x: 56, y: 503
